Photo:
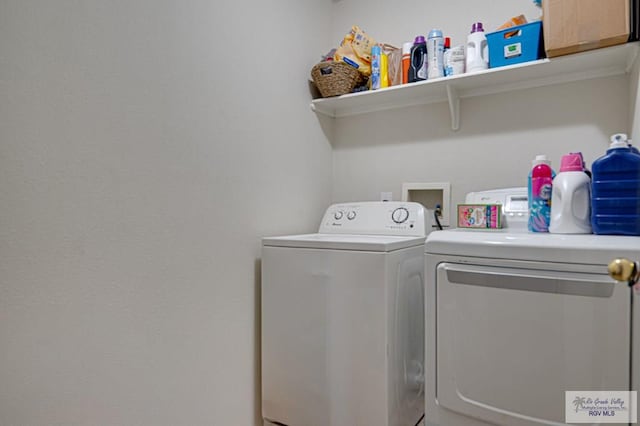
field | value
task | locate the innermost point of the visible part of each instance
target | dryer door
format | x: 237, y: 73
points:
x: 511, y: 341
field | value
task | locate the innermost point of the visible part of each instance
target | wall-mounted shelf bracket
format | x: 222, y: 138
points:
x: 454, y: 106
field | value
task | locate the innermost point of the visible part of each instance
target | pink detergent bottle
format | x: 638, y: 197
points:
x: 540, y: 202
x: 571, y: 197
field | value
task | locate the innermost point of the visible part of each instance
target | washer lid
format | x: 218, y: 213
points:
x: 379, y: 243
x: 559, y: 248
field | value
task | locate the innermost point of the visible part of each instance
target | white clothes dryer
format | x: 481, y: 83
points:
x: 514, y: 319
x: 342, y: 319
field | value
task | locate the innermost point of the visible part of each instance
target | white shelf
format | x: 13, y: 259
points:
x: 611, y: 61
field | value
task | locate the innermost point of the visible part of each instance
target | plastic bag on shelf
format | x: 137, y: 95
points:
x: 355, y: 49
x: 394, y: 63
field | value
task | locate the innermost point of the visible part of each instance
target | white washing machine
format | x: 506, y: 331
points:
x: 343, y: 319
x: 514, y: 319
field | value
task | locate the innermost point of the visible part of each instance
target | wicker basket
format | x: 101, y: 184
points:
x: 335, y: 78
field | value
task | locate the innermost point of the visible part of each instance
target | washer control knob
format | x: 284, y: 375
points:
x: 351, y: 215
x: 338, y: 215
x: 400, y: 215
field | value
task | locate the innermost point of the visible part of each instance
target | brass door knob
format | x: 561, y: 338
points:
x: 624, y: 270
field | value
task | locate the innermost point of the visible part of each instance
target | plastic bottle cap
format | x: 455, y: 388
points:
x: 406, y: 47
x: 447, y: 43
x: 477, y: 27
x: 541, y: 159
x: 572, y: 162
x: 419, y: 40
x: 435, y: 33
x: 619, y: 140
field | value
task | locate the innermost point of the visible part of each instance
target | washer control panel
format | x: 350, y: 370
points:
x: 377, y: 218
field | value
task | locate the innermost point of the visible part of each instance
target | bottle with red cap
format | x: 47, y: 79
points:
x: 445, y: 53
x: 571, y: 197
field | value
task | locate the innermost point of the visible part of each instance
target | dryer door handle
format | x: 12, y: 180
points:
x: 624, y: 270
x: 529, y: 281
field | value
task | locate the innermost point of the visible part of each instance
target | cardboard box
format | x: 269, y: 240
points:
x: 572, y: 26
x: 487, y: 216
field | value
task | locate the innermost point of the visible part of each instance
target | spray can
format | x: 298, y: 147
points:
x: 435, y: 51
x: 418, y: 68
x: 376, y: 51
x: 406, y: 61
x: 447, y: 47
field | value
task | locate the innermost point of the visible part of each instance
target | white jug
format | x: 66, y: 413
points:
x: 571, y: 198
x: 477, y: 49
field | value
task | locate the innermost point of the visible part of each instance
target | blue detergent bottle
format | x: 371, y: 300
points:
x: 615, y: 195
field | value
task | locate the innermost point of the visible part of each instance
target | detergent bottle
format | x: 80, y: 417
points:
x: 418, y: 68
x: 477, y: 49
x: 615, y: 201
x: 571, y: 197
x: 541, y: 184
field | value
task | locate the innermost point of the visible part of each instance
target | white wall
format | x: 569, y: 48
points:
x: 398, y: 21
x: 634, y: 99
x: 145, y: 147
x: 499, y: 135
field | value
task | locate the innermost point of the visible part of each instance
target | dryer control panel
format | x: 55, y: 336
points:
x: 377, y: 218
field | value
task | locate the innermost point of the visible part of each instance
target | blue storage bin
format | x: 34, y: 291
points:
x: 515, y: 45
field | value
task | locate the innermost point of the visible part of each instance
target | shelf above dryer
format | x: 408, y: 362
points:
x: 611, y: 61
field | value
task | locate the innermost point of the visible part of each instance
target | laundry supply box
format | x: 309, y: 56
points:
x: 572, y: 26
x: 515, y: 45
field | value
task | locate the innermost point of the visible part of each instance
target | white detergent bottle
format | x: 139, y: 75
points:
x: 477, y: 49
x: 571, y: 198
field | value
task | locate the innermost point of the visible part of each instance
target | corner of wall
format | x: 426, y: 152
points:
x: 634, y: 96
